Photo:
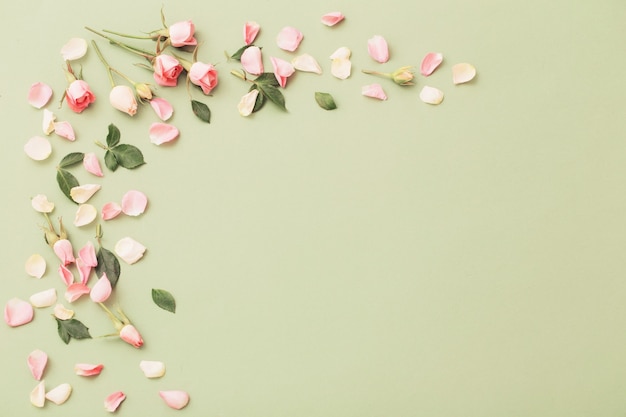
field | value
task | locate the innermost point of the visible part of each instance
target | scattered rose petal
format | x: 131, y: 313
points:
x: 378, y: 49
x: 65, y: 130
x: 306, y: 63
x: 134, y: 203
x: 129, y: 250
x: 63, y: 249
x: 82, y: 193
x: 175, y: 399
x: 84, y: 270
x: 252, y: 60
x: 92, y: 165
x: 462, y: 73
x: 332, y: 18
x: 38, y: 395
x: 430, y: 63
x: 374, y: 90
x: 152, y: 369
x: 113, y: 401
x: 431, y: 95
x: 122, y: 98
x: 88, y: 369
x: 59, y: 394
x: 282, y: 70
x: 250, y: 31
x: 85, y: 214
x: 41, y: 204
x: 66, y: 275
x: 44, y: 298
x: 161, y: 133
x: 18, y: 312
x: 37, y: 361
x: 38, y: 148
x: 110, y: 211
x: 247, y: 102
x: 340, y: 65
x: 88, y: 254
x: 341, y: 53
x: 162, y: 108
x: 62, y: 313
x: 75, y: 291
x: 289, y: 38
x: 75, y: 48
x: 102, y: 290
x: 35, y: 265
x: 48, y: 121
x: 130, y: 335
x: 39, y: 94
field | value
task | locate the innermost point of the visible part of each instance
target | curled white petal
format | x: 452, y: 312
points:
x: 462, y: 73
x: 306, y: 63
x: 152, y: 369
x: 62, y: 313
x: 75, y: 48
x: 35, y: 265
x: 341, y: 68
x: 38, y: 395
x: 129, y: 250
x: 44, y: 298
x: 85, y: 214
x: 175, y: 399
x: 59, y: 394
x: 431, y: 95
x: 82, y: 193
x: 48, y: 121
x: 38, y: 148
x: 247, y: 102
x: 37, y: 361
x: 41, y: 204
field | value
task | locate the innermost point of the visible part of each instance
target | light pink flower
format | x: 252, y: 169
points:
x: 101, y: 291
x: 161, y: 133
x: 247, y: 103
x: 66, y: 275
x: 74, y: 291
x: 39, y: 94
x: 63, y: 249
x: 130, y: 335
x: 88, y: 369
x: 65, y: 130
x: 122, y: 97
x: 289, y: 38
x: 378, y: 49
x: 203, y: 75
x: 182, y: 33
x: 110, y: 211
x: 175, y: 399
x: 113, y: 401
x: 250, y: 31
x: 166, y: 70
x: 37, y: 361
x: 92, y: 165
x: 79, y: 96
x: 282, y: 70
x: 18, y: 312
x: 374, y: 91
x: 332, y: 18
x: 162, y: 108
x: 430, y: 63
x: 252, y: 60
x: 134, y: 203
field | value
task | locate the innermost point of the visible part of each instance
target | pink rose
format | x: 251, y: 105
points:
x: 130, y: 335
x: 203, y: 75
x: 181, y: 34
x: 166, y: 70
x: 78, y: 96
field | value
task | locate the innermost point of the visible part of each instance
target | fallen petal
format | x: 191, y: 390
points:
x: 175, y: 399
x: 35, y: 265
x: 252, y: 60
x: 378, y: 49
x: 430, y: 63
x: 341, y: 53
x: 65, y: 130
x: 75, y: 291
x: 374, y: 90
x: 332, y: 18
x: 92, y: 165
x: 129, y: 250
x: 462, y: 73
x: 162, y: 108
x: 44, y: 298
x: 250, y: 31
x: 38, y: 395
x: 18, y: 312
x: 341, y: 68
x: 63, y: 249
x: 82, y: 193
x: 282, y: 70
x: 113, y: 401
x: 66, y: 275
x: 41, y: 204
x: 59, y: 394
x: 289, y: 38
x: 110, y: 211
x: 85, y: 214
x: 38, y: 148
x: 84, y: 271
x: 75, y: 48
x: 152, y: 369
x: 88, y: 369
x: 431, y: 95
x: 134, y: 203
x: 88, y: 254
x: 48, y: 121
x: 37, y: 361
x: 162, y: 133
x: 39, y: 94
x: 62, y: 313
x: 101, y: 290
x: 247, y: 103
x: 306, y: 63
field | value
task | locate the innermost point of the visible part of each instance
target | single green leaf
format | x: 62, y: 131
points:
x: 109, y: 265
x: 113, y: 138
x: 237, y: 55
x: 325, y: 101
x: 273, y: 94
x: 201, y: 111
x: 72, y: 328
x: 110, y: 160
x: 128, y: 156
x: 260, y: 99
x: 267, y: 78
x: 66, y: 182
x: 164, y: 299
x: 71, y: 159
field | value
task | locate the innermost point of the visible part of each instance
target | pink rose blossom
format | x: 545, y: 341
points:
x: 250, y: 31
x: 166, y: 70
x: 203, y: 75
x: 130, y: 335
x: 252, y: 61
x: 289, y: 39
x: 79, y: 96
x: 282, y: 70
x: 182, y: 33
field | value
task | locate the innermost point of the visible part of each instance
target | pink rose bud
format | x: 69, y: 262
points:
x: 79, y: 96
x: 204, y: 76
x: 166, y: 70
x: 181, y: 34
x: 130, y: 335
x: 123, y: 99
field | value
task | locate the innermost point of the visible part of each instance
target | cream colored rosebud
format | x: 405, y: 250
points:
x: 123, y: 99
x: 403, y: 76
x: 144, y: 92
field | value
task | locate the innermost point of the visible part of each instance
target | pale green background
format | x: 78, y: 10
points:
x: 384, y: 259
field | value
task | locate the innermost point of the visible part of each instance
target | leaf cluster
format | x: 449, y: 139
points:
x: 268, y: 87
x: 120, y: 154
x: 72, y: 328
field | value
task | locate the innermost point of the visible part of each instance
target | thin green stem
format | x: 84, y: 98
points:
x: 104, y: 62
x: 125, y: 35
x: 147, y: 55
x: 382, y: 74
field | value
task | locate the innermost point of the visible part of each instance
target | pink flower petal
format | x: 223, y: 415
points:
x: 44, y: 298
x: 332, y: 18
x: 75, y: 48
x: 134, y: 203
x: 282, y: 70
x: 110, y: 211
x: 37, y: 361
x: 88, y: 369
x: 18, y: 312
x: 252, y: 60
x: 35, y: 265
x: 162, y: 108
x: 63, y: 249
x: 161, y: 133
x: 113, y: 401
x: 84, y: 271
x: 92, y: 165
x: 38, y: 148
x: 66, y: 275
x: 47, y: 125
x: 75, y: 291
x: 430, y: 63
x: 289, y: 38
x: 41, y: 204
x: 152, y: 369
x: 462, y: 73
x: 375, y: 91
x: 175, y: 399
x: 250, y: 31
x: 88, y: 254
x: 378, y: 49
x: 431, y: 95
x: 65, y: 130
x: 102, y: 290
x: 39, y: 94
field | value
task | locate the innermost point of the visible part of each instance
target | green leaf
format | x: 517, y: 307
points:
x: 267, y: 78
x: 325, y: 101
x: 164, y: 299
x: 273, y: 94
x: 128, y: 156
x: 109, y: 265
x: 71, y: 159
x: 237, y: 55
x: 201, y: 111
x: 113, y: 138
x: 110, y: 160
x: 66, y: 182
x: 72, y: 328
x: 260, y: 99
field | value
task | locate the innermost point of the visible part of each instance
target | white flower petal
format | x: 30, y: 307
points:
x: 431, y: 95
x: 341, y: 53
x: 59, y: 394
x: 152, y: 369
x: 37, y: 361
x: 48, y: 121
x: 62, y: 313
x: 462, y: 73
x: 129, y: 250
x: 306, y: 63
x: 44, y: 298
x: 134, y: 203
x: 38, y: 395
x: 41, y: 204
x: 75, y: 48
x: 38, y: 148
x: 85, y: 214
x: 341, y: 68
x: 35, y: 265
x: 82, y: 193
x: 39, y: 94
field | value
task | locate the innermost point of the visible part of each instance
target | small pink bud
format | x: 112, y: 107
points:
x: 130, y: 335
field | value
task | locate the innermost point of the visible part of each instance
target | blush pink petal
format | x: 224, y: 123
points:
x: 332, y: 18
x: 378, y: 49
x: 44, y: 298
x: 35, y: 265
x: 84, y: 270
x: 289, y: 38
x: 110, y: 211
x: 130, y: 335
x: 75, y: 48
x: 134, y: 203
x: 85, y: 214
x: 18, y: 312
x: 39, y: 94
x: 162, y: 108
x: 101, y: 290
x: 92, y: 165
x: 47, y: 125
x: 75, y: 291
x: 430, y: 63
x: 252, y: 60
x: 88, y: 254
x: 63, y: 249
x: 38, y: 148
x: 161, y: 133
x: 375, y: 91
x: 113, y: 401
x: 282, y: 70
x: 175, y: 399
x: 37, y: 361
x: 88, y: 369
x: 65, y: 130
x: 462, y: 73
x: 250, y: 31
x: 66, y: 275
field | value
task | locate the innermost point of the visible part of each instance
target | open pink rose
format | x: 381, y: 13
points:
x: 203, y: 75
x: 166, y: 70
x: 181, y: 34
x: 79, y: 96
